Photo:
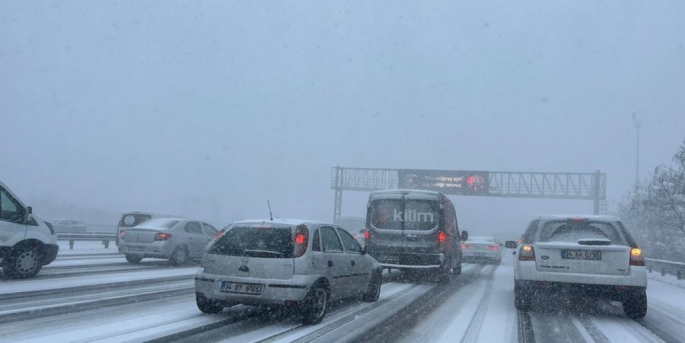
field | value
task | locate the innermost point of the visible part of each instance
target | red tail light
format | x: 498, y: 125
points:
x: 527, y: 253
x: 494, y: 247
x: 162, y: 236
x: 122, y: 234
x: 463, y: 246
x: 367, y: 234
x: 636, y: 257
x: 301, y: 240
x: 442, y: 237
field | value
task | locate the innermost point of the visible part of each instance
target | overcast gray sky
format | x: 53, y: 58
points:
x: 209, y: 108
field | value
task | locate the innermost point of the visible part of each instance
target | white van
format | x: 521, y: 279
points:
x: 27, y: 243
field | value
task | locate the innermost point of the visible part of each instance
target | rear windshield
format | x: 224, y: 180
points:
x: 133, y: 219
x: 255, y: 241
x: 572, y: 231
x: 161, y: 223
x: 396, y: 214
x: 476, y: 239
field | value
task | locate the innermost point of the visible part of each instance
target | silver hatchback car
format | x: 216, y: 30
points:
x: 175, y: 239
x: 294, y: 263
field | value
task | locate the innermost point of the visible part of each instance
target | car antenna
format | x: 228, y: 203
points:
x: 270, y: 215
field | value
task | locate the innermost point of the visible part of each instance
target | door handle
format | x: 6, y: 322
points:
x: 330, y: 263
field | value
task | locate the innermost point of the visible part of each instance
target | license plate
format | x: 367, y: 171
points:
x: 136, y: 248
x: 593, y: 255
x: 242, y: 288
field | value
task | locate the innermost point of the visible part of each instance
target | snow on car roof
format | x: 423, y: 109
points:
x: 581, y: 216
x: 278, y: 221
x: 481, y: 238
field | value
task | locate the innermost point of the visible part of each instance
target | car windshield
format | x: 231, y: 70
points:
x: 251, y: 241
x: 573, y: 231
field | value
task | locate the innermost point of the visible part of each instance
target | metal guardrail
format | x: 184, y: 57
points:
x: 666, y: 267
x: 104, y: 237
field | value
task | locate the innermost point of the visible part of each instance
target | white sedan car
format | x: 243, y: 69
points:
x: 481, y: 249
x: 591, y: 256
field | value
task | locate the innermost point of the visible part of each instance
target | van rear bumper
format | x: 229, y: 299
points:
x: 410, y: 261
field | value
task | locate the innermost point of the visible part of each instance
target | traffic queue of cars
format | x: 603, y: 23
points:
x: 304, y: 264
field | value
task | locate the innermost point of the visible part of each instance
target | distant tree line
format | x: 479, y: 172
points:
x: 654, y: 212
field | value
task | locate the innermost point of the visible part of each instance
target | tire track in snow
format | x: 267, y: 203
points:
x: 476, y: 324
x: 592, y: 329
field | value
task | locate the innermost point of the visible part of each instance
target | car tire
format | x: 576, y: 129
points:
x: 133, y: 259
x: 22, y: 262
x: 315, y: 305
x: 635, y: 306
x: 373, y: 291
x: 522, y: 296
x: 457, y: 269
x: 179, y: 256
x: 208, y: 306
x: 445, y: 273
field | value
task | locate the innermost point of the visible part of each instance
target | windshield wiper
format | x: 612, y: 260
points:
x: 262, y: 252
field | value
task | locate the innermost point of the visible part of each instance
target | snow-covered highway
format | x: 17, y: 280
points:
x: 91, y: 295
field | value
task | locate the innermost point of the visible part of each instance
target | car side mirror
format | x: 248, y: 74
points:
x: 511, y: 244
x: 28, y: 217
x: 464, y: 236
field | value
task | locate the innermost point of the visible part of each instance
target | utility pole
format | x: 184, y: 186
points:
x: 636, y: 122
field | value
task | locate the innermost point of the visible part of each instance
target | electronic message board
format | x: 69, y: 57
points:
x: 445, y: 181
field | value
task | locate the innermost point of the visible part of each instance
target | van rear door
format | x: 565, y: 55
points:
x: 403, y: 224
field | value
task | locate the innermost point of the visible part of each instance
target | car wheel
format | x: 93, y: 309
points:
x: 179, y: 256
x: 373, y: 291
x: 315, y: 305
x: 133, y: 259
x: 457, y: 269
x: 635, y: 307
x: 22, y: 262
x: 522, y: 296
x: 208, y: 306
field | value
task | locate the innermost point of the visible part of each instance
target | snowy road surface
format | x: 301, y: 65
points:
x: 93, y: 295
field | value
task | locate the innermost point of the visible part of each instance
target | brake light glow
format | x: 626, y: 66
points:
x: 367, y: 234
x: 122, y: 233
x: 464, y: 246
x: 636, y: 258
x: 301, y: 240
x: 162, y: 236
x: 442, y: 237
x: 527, y: 253
x: 494, y: 247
